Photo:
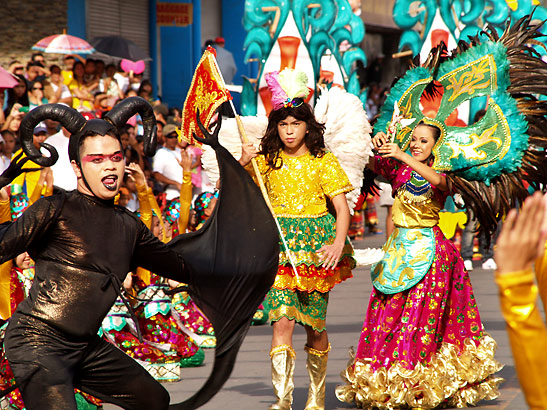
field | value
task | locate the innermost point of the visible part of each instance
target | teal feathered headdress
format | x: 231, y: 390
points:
x: 488, y: 161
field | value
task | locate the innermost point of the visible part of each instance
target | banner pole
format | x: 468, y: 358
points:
x: 260, y: 180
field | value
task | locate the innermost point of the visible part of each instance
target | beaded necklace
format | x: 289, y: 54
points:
x: 417, y: 189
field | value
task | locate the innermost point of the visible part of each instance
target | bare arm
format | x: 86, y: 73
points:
x: 391, y: 150
x: 14, y: 113
x: 330, y: 254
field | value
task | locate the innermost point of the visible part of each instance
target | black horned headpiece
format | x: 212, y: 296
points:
x: 77, y: 125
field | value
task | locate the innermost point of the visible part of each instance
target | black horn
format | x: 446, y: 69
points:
x: 69, y: 118
x: 119, y: 115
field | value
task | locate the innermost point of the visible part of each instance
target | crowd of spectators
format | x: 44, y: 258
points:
x: 93, y: 88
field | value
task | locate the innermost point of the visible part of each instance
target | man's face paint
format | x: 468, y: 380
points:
x: 103, y: 166
x: 99, y: 158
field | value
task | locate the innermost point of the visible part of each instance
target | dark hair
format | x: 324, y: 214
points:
x: 77, y: 63
x: 272, y: 145
x: 53, y: 66
x: 144, y: 83
x: 34, y: 64
x: 436, y: 130
x: 92, y: 133
x: 12, y: 98
x: 8, y: 132
x: 36, y: 54
x: 33, y: 83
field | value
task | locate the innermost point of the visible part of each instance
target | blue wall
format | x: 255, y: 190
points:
x: 180, y: 52
x: 76, y: 18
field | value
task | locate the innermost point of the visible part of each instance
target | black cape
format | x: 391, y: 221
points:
x: 233, y: 262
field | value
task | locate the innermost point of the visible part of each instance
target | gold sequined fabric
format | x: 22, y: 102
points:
x: 302, y: 184
x: 408, y: 213
x: 452, y: 378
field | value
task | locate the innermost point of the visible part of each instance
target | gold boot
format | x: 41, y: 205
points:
x: 317, y: 369
x: 282, y: 358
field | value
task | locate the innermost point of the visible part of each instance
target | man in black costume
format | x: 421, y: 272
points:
x: 84, y: 246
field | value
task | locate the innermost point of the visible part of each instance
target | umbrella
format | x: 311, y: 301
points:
x: 7, y: 79
x: 120, y: 47
x: 63, y: 44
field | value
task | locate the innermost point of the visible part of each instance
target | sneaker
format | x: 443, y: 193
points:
x: 468, y: 263
x: 489, y: 264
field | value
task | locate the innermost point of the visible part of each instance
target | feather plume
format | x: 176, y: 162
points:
x: 294, y: 83
x: 279, y: 96
x: 490, y: 201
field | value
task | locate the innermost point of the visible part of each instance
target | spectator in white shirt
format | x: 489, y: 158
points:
x: 166, y: 167
x: 55, y: 90
x: 6, y: 149
x: 63, y: 174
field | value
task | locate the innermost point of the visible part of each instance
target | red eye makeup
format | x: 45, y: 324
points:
x: 100, y: 158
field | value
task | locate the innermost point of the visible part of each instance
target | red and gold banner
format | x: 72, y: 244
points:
x: 207, y: 92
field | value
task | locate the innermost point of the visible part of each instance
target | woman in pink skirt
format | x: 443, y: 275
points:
x: 422, y: 344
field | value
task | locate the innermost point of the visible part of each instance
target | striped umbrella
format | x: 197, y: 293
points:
x: 7, y: 79
x: 63, y: 44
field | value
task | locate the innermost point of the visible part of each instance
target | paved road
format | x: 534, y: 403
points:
x: 250, y: 387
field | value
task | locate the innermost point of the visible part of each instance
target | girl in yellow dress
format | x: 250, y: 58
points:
x: 301, y: 176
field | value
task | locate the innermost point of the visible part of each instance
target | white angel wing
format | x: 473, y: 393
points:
x: 368, y: 256
x: 347, y: 134
x: 229, y: 138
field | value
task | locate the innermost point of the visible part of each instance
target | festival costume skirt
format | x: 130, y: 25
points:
x: 160, y: 324
x: 304, y: 297
x: 194, y: 319
x: 424, y: 347
x: 119, y: 329
x: 357, y: 225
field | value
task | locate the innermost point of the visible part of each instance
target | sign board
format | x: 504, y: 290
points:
x: 174, y: 14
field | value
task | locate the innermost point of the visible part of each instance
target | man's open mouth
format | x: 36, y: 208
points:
x: 110, y: 182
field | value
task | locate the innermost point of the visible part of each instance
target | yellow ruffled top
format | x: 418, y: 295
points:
x: 526, y: 329
x: 298, y: 192
x: 300, y: 187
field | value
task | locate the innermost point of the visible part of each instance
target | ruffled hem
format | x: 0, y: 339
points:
x: 292, y: 313
x: 311, y: 257
x: 312, y: 278
x: 162, y: 372
x: 450, y: 379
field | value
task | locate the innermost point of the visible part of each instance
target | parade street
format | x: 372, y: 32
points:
x: 250, y: 388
